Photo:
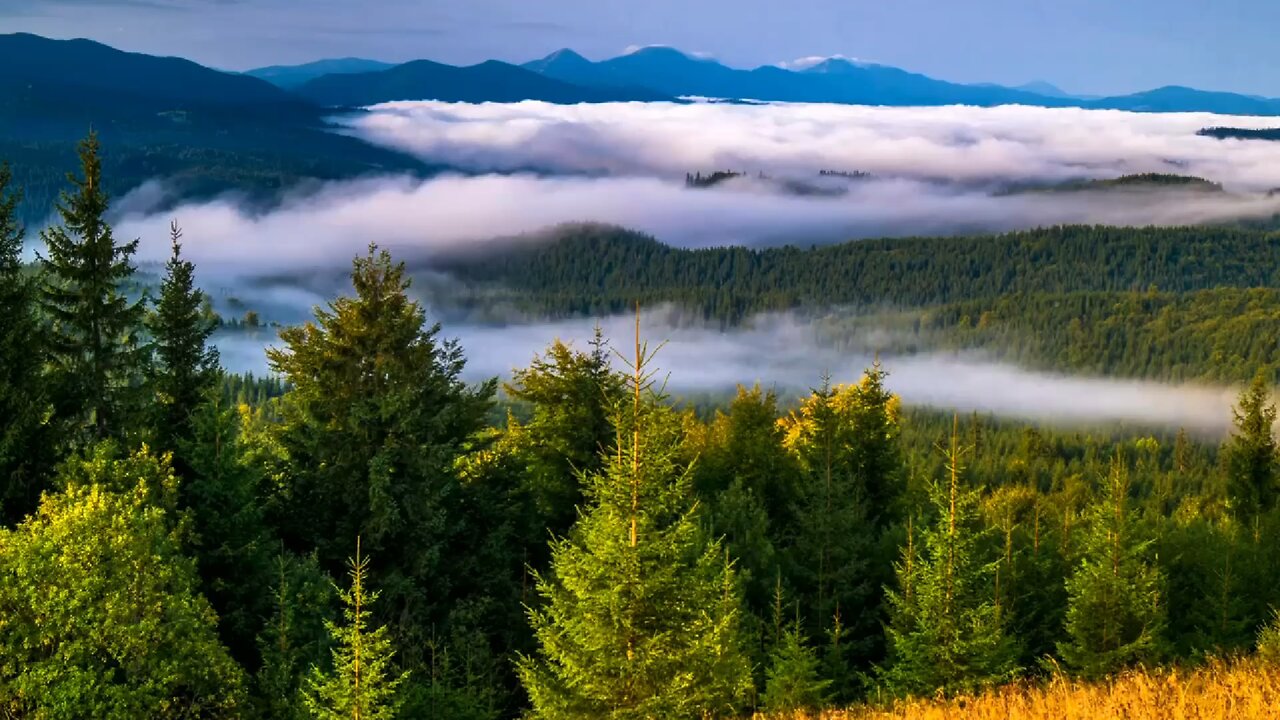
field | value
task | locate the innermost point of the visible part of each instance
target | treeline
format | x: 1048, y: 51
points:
x: 594, y: 269
x: 354, y: 538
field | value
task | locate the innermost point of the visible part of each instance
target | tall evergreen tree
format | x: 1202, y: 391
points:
x: 1115, y: 613
x: 371, y: 429
x: 846, y: 440
x: 186, y: 367
x: 1252, y: 462
x: 641, y: 609
x: 363, y: 683
x: 23, y: 436
x: 946, y: 632
x: 573, y: 395
x: 94, y: 348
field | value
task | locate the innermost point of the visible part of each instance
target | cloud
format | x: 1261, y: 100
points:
x: 787, y: 355
x: 805, y: 63
x: 964, y: 144
x: 324, y: 229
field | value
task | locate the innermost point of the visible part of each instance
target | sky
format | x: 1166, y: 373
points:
x: 1083, y: 46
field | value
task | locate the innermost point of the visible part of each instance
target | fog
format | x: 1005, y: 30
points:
x: 524, y: 167
x: 327, y: 227
x: 782, y: 353
x: 956, y: 143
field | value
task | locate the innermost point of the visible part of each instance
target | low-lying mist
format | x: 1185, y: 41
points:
x: 327, y: 227
x: 788, y: 355
x: 968, y: 144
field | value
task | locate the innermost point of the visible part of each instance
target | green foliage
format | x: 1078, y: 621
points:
x: 598, y: 269
x: 641, y: 614
x: 946, y: 632
x: 846, y: 442
x: 94, y: 348
x: 370, y: 432
x: 1253, y: 466
x: 1116, y: 615
x: 23, y: 437
x: 295, y: 637
x: 793, y: 680
x: 229, y: 535
x: 1269, y: 641
x: 572, y: 394
x: 363, y: 682
x: 186, y: 367
x: 100, y: 611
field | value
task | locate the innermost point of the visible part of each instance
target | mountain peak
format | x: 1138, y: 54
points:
x: 563, y: 59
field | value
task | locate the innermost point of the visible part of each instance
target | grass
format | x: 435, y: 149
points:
x: 1220, y: 691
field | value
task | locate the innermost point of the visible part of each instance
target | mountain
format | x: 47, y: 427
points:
x: 1184, y: 99
x: 839, y: 80
x: 672, y: 72
x: 292, y: 76
x: 490, y: 81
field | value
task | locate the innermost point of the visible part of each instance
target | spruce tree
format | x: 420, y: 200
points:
x: 794, y: 681
x: 1115, y: 612
x: 946, y: 632
x: 845, y: 439
x: 641, y: 610
x: 23, y: 436
x: 572, y: 394
x: 94, y: 349
x: 363, y: 683
x: 371, y: 429
x: 1269, y: 641
x: 1251, y: 459
x: 186, y: 367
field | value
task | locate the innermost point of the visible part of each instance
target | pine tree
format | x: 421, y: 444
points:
x: 186, y: 371
x: 294, y: 638
x: 1269, y: 641
x: 363, y: 683
x: 94, y: 350
x: 641, y: 610
x: 1252, y: 463
x: 1115, y: 613
x: 946, y: 632
x: 23, y: 456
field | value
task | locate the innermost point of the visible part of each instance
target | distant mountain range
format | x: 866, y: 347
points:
x: 663, y: 73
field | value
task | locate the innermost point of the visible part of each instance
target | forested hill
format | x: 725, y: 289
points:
x: 594, y: 269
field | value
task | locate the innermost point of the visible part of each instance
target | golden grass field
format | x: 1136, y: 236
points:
x: 1244, y: 691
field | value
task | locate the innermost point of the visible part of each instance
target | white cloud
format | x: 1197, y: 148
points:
x: 958, y: 143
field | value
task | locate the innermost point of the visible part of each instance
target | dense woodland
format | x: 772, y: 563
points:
x: 356, y: 537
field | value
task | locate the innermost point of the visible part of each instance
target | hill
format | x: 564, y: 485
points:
x: 204, y: 130
x: 1184, y: 99
x: 490, y: 81
x: 291, y: 76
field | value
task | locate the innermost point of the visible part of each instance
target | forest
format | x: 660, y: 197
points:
x: 364, y: 534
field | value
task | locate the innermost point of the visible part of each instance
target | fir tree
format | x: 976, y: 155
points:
x: 294, y: 638
x: 641, y: 610
x: 94, y: 350
x: 363, y: 683
x: 23, y: 456
x: 1115, y: 613
x: 186, y: 370
x: 1252, y: 463
x: 946, y: 632
x: 1269, y: 641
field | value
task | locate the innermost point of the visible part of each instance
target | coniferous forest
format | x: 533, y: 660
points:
x: 367, y: 535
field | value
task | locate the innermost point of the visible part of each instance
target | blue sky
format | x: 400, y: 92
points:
x: 1085, y: 46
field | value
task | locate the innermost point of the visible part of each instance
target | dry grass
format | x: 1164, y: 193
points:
x: 1244, y: 691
